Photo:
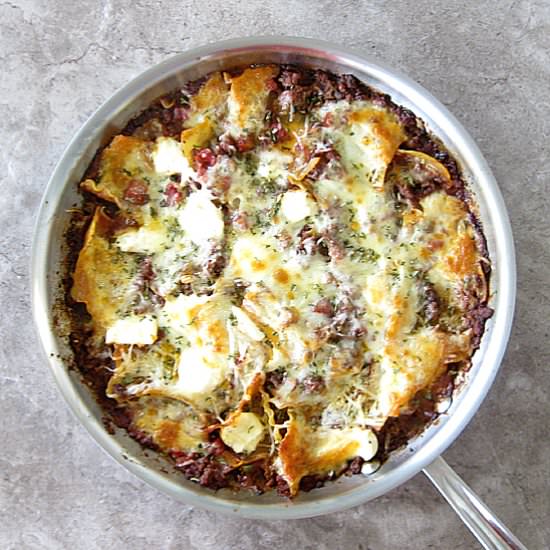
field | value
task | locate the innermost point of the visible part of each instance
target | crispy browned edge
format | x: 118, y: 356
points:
x: 69, y: 316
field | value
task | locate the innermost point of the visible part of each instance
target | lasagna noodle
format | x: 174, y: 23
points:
x: 319, y: 451
x: 248, y: 98
x: 211, y: 98
x: 102, y: 275
x: 172, y: 424
x: 125, y: 160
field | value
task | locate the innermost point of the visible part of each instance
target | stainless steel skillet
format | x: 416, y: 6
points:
x: 421, y: 453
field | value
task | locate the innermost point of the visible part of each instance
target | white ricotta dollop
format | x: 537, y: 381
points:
x: 197, y: 375
x: 297, y: 205
x: 243, y: 433
x: 140, y: 331
x: 168, y: 159
x: 201, y: 219
x: 147, y: 239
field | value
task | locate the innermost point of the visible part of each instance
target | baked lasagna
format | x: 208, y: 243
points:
x: 277, y: 275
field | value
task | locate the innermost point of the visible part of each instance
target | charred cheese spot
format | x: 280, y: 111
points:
x: 463, y: 256
x: 281, y: 276
x: 383, y: 130
x: 167, y: 433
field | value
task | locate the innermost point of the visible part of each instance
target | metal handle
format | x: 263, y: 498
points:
x: 491, y: 533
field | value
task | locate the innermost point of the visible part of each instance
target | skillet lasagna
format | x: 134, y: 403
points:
x: 277, y: 274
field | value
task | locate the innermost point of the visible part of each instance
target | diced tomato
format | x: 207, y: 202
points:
x: 205, y: 157
x: 137, y: 192
x: 245, y: 143
x: 174, y: 196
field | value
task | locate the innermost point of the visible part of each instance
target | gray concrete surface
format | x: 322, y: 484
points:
x: 489, y: 62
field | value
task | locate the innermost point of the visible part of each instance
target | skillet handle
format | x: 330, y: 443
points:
x: 490, y: 532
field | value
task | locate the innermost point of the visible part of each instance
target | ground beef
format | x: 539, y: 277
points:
x: 326, y: 155
x: 313, y: 383
x: 174, y: 193
x: 282, y: 486
x: 142, y: 437
x: 252, y: 477
x: 325, y: 307
x: 245, y: 143
x: 355, y: 466
x: 276, y: 132
x: 308, y: 483
x: 121, y: 417
x: 226, y: 145
x: 442, y: 388
x: 273, y: 380
x: 414, y: 194
x: 205, y: 469
x: 431, y: 304
x: 215, y: 263
x: 335, y: 247
x: 476, y: 321
x: 347, y: 317
x: 397, y: 431
x: 308, y: 241
x: 204, y: 159
x: 145, y: 295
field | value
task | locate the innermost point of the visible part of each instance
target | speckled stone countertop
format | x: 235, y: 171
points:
x: 488, y: 62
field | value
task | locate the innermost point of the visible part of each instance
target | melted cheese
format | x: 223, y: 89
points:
x: 148, y: 239
x: 198, y: 374
x: 273, y: 164
x: 246, y: 325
